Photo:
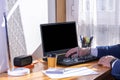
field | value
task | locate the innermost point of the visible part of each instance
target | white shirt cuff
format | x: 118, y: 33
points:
x: 114, y: 63
x: 94, y: 51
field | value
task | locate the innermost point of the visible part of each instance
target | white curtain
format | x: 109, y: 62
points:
x: 101, y: 19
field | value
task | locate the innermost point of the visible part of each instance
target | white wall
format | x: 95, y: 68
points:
x: 33, y: 13
x: 51, y: 11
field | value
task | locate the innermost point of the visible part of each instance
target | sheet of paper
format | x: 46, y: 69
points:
x: 69, y: 72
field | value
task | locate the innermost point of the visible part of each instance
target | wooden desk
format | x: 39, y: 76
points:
x: 36, y: 73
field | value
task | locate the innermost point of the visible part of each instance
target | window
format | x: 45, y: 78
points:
x: 99, y: 18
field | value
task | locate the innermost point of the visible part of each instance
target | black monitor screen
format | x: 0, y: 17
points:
x: 58, y: 36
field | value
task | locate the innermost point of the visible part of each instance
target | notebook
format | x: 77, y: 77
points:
x: 59, y: 37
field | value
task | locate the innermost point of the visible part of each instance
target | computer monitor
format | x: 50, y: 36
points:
x: 58, y: 37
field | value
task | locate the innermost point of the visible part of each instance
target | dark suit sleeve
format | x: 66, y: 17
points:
x: 116, y: 70
x: 113, y: 50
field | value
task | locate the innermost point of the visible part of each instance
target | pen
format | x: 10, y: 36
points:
x: 91, y: 38
x: 81, y: 38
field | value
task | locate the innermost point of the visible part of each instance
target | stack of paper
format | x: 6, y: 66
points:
x: 68, y: 72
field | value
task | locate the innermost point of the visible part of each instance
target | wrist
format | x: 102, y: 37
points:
x: 112, y: 61
x: 89, y: 50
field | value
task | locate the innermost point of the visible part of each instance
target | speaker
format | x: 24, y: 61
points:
x: 22, y: 60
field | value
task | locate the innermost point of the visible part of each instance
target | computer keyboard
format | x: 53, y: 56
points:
x: 69, y: 61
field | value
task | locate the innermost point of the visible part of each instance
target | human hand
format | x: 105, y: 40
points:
x: 72, y: 51
x: 80, y: 51
x: 105, y: 60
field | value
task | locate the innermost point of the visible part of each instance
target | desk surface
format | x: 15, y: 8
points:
x: 36, y: 73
